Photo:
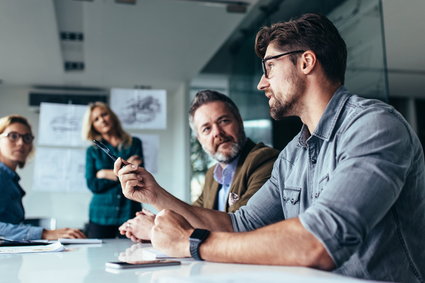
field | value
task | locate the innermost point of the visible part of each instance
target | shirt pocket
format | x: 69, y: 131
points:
x: 291, y: 201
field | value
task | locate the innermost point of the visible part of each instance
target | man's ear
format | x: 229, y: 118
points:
x: 308, y: 62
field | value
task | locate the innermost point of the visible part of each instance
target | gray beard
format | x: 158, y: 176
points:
x: 220, y: 157
x: 234, y: 153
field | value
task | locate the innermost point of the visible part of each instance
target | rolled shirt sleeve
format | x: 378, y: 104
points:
x: 264, y: 207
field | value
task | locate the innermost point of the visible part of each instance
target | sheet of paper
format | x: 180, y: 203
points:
x: 140, y: 108
x: 60, y: 124
x: 66, y: 169
x: 54, y: 247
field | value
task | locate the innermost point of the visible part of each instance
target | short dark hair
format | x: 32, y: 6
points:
x: 309, y: 32
x: 208, y: 96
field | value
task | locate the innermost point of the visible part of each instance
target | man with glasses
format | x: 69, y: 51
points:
x: 347, y: 194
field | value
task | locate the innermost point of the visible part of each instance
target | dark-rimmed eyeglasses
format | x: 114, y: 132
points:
x: 15, y: 136
x: 266, y: 70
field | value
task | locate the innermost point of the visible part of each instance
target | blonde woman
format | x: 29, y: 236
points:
x: 108, y: 207
x: 16, y: 144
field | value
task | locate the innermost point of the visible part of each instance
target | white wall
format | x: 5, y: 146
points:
x: 71, y: 209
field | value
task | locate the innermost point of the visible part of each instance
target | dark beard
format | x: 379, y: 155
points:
x: 280, y: 111
x: 289, y: 108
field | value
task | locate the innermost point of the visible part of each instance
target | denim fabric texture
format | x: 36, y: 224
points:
x: 358, y: 184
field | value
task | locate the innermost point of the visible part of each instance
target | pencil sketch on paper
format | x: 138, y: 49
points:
x: 60, y: 124
x: 64, y: 123
x: 140, y: 108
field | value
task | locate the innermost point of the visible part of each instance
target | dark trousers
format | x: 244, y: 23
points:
x: 98, y: 231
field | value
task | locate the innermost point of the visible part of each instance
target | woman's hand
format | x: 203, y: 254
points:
x: 68, y: 233
x: 106, y: 174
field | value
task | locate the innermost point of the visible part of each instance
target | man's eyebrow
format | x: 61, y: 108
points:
x: 224, y: 116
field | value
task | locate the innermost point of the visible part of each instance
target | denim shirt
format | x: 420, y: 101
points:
x: 357, y: 184
x: 12, y: 212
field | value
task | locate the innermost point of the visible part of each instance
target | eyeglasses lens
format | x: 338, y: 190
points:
x: 14, y: 137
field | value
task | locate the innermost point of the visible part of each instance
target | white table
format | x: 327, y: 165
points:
x: 86, y: 263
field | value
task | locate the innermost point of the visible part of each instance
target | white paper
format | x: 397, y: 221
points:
x: 59, y: 170
x: 54, y: 247
x: 60, y: 124
x: 140, y: 108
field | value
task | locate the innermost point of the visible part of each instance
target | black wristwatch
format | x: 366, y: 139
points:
x: 198, y: 236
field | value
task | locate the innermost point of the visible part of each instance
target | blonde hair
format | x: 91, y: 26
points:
x: 12, y: 119
x: 90, y: 133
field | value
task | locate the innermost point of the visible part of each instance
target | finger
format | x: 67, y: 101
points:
x: 132, y: 186
x: 80, y: 234
x: 129, y: 176
x: 130, y: 167
x: 147, y: 212
x: 117, y: 165
x: 128, y: 234
x: 123, y: 228
x: 135, y: 239
x: 73, y: 234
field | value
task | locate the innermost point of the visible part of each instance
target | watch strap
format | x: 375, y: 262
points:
x: 196, y: 239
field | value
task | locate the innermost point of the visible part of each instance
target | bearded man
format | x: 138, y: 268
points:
x: 242, y: 166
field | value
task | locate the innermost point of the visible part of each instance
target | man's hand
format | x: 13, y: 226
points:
x: 137, y: 183
x: 135, y: 160
x: 62, y: 233
x: 171, y: 234
x: 138, y: 228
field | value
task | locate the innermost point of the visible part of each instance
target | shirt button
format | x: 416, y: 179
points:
x: 118, y: 196
x: 313, y: 160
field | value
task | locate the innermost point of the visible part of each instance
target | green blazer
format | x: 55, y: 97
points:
x: 253, y: 170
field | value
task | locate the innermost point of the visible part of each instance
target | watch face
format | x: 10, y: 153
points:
x: 199, y: 234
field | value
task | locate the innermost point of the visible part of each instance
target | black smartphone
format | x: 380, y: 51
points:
x: 139, y: 264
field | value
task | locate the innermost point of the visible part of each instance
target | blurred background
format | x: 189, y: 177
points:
x: 75, y: 51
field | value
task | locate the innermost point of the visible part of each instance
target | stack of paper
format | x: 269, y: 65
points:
x: 54, y: 247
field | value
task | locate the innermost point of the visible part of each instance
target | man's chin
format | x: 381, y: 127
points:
x: 226, y: 156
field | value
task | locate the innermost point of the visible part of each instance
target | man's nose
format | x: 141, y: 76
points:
x: 263, y: 83
x: 217, y: 130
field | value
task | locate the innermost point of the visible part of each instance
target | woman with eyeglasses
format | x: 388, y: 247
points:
x: 109, y: 208
x: 15, y: 146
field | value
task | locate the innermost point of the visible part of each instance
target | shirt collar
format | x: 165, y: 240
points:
x: 13, y: 175
x: 329, y: 118
x: 224, y: 175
